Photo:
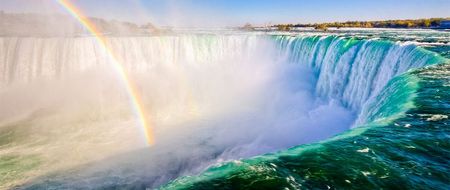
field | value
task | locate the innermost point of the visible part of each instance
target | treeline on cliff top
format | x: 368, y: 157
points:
x: 418, y: 23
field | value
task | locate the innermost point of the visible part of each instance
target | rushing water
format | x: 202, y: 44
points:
x: 230, y: 111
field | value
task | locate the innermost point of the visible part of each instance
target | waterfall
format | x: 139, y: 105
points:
x: 210, y: 97
x: 354, y: 71
x: 24, y: 59
x: 351, y: 71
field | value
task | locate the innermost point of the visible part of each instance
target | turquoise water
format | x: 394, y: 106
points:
x: 400, y: 142
x: 370, y: 111
x: 408, y: 153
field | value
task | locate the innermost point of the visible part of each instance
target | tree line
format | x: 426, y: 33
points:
x: 410, y: 23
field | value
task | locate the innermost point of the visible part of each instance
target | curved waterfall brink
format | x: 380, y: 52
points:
x: 349, y: 70
x: 216, y: 98
x: 354, y: 71
x: 403, y: 114
x: 53, y: 57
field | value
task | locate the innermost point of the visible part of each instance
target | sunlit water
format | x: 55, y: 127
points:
x: 217, y: 97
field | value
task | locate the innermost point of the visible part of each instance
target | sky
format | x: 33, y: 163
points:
x: 218, y: 13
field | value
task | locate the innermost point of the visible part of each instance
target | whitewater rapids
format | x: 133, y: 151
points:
x: 211, y: 98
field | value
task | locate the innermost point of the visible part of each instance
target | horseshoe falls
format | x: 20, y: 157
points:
x: 229, y: 110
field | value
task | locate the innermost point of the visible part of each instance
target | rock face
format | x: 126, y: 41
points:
x: 30, y: 24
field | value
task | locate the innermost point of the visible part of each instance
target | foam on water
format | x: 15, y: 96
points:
x: 212, y: 98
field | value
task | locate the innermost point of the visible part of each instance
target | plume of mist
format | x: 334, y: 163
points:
x: 209, y: 99
x: 48, y: 18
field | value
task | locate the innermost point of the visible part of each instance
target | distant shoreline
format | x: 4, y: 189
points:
x: 429, y: 23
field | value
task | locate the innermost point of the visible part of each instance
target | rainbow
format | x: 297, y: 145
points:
x: 130, y: 88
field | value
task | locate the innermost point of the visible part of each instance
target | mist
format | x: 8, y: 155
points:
x: 210, y: 99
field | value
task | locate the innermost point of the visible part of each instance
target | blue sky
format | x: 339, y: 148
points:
x: 238, y: 12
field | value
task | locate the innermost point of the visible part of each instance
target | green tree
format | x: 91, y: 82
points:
x: 321, y: 27
x: 284, y: 27
x: 427, y: 23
